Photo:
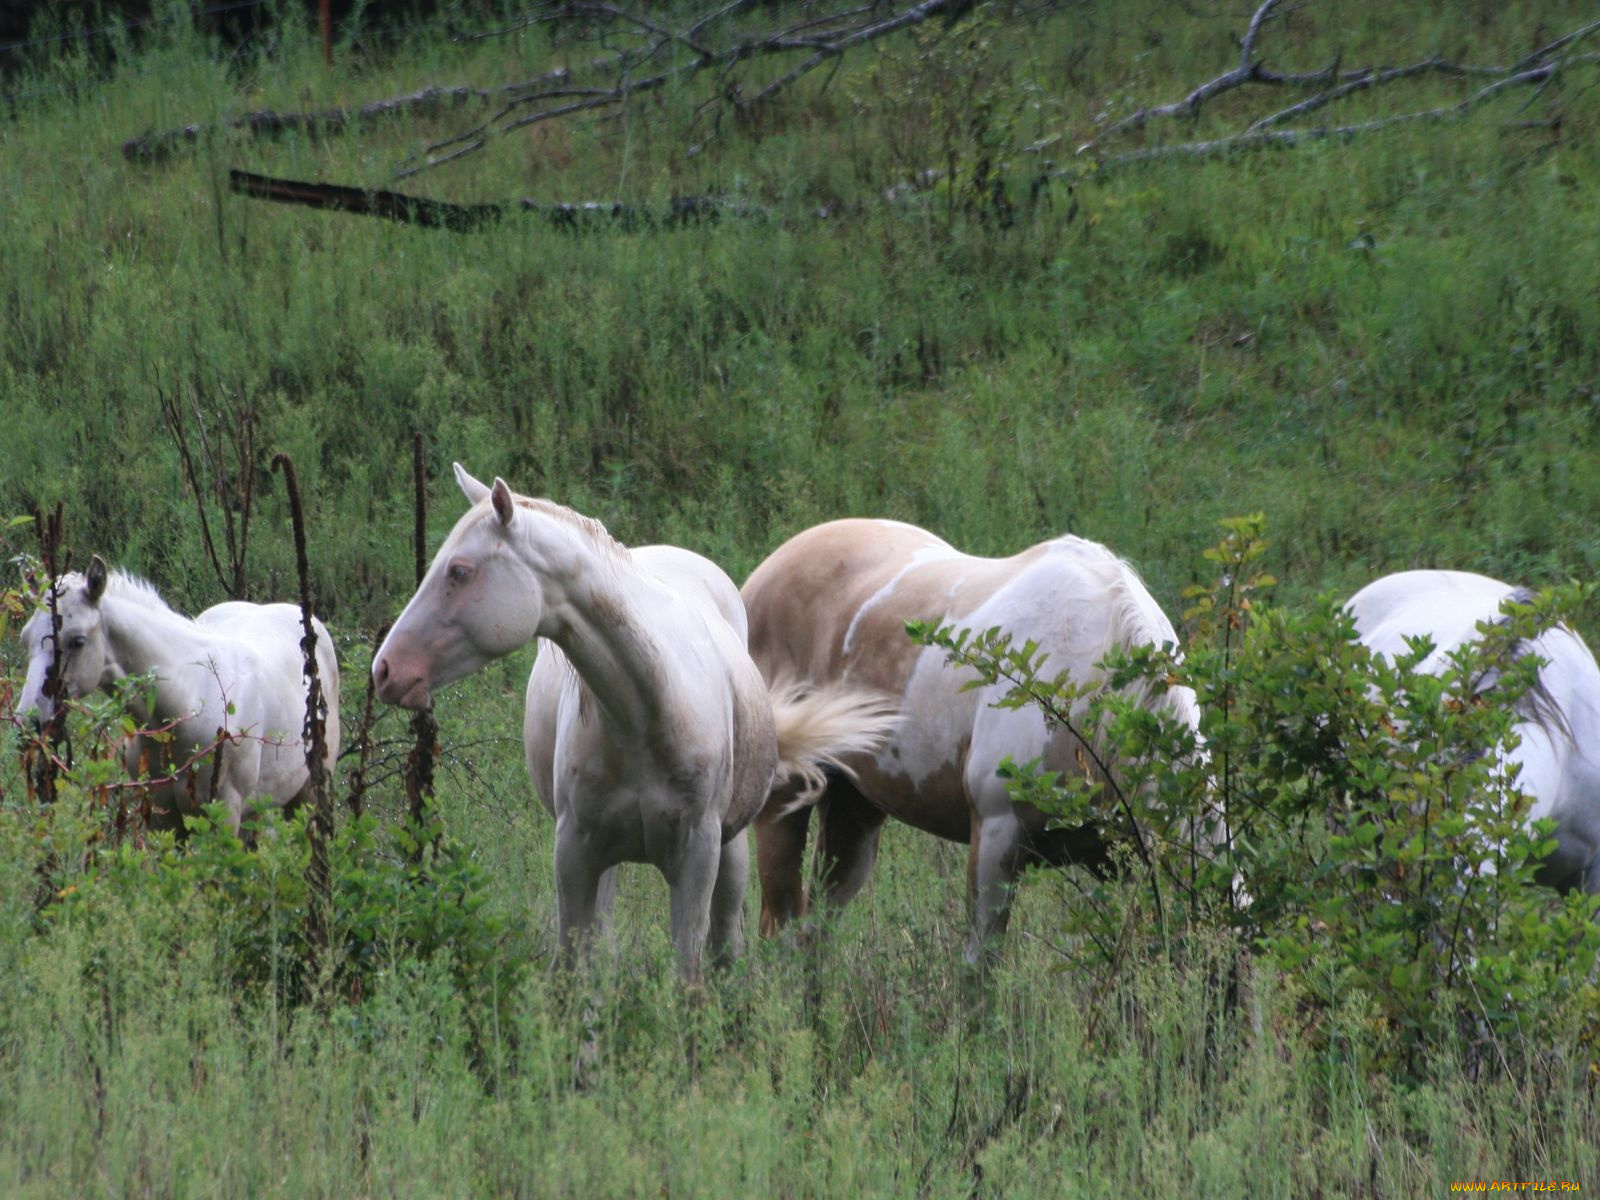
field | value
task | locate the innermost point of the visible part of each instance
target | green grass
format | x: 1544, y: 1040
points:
x: 1387, y: 345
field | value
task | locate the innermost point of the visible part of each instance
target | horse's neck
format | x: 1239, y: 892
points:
x: 144, y: 638
x: 616, y: 625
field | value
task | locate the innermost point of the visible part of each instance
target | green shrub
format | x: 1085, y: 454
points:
x: 388, y: 910
x: 1344, y: 813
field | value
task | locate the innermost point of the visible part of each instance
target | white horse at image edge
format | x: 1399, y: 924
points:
x: 650, y: 734
x: 233, y: 678
x: 1559, y: 728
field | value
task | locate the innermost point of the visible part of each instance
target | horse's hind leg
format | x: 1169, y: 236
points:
x: 780, y: 854
x: 848, y: 829
x: 691, y: 880
x: 725, y: 940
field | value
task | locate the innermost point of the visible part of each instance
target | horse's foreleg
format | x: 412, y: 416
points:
x: 691, y: 879
x: 578, y: 881
x: 726, y: 936
x: 605, y: 902
x: 848, y: 829
x: 780, y: 854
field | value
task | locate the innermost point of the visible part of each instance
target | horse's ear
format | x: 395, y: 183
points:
x: 96, y: 577
x: 470, y: 487
x: 504, y: 505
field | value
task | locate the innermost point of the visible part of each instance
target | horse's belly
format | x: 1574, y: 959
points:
x: 144, y: 758
x: 935, y: 804
x: 917, y: 776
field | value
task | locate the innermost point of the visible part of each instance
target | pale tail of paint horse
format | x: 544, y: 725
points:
x: 235, y: 670
x: 1559, y: 728
x: 650, y: 735
x: 829, y: 607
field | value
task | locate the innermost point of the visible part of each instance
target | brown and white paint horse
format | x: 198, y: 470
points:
x: 650, y: 735
x: 829, y: 608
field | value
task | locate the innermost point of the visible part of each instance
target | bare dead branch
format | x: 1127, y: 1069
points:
x: 1366, y: 78
x: 361, y: 746
x: 1247, y: 70
x: 1293, y: 137
x: 319, y: 869
x: 662, y: 54
x: 1561, y: 43
x: 158, y: 145
x: 1331, y: 85
x: 418, y: 773
x: 229, y: 435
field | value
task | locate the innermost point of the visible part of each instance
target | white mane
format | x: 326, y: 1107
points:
x: 123, y: 586
x: 611, y: 554
x: 119, y: 583
x: 588, y: 528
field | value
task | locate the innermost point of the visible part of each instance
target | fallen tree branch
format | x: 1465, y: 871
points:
x: 469, y: 218
x: 393, y: 206
x: 1329, y: 86
x: 658, y: 54
x: 1258, y: 138
x: 1247, y: 71
x: 683, y: 53
x: 159, y: 145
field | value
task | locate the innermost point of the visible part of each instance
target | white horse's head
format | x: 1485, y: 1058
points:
x: 478, y: 601
x: 79, y: 653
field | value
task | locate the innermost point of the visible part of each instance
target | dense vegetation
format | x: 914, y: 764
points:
x: 1387, y: 345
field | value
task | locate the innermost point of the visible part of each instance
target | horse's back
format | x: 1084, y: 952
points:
x: 831, y: 604
x: 271, y: 663
x: 832, y: 601
x: 1446, y: 606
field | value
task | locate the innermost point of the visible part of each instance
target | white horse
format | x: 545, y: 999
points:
x: 829, y: 608
x: 650, y: 734
x: 1559, y: 726
x: 236, y: 671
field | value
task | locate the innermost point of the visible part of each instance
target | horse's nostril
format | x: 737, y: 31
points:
x: 380, y: 671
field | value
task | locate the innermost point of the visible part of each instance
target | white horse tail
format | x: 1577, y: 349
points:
x: 819, y: 727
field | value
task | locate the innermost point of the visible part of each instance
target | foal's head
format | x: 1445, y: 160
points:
x: 78, y: 653
x: 477, y: 602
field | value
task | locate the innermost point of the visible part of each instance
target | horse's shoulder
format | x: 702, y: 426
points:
x: 697, y: 580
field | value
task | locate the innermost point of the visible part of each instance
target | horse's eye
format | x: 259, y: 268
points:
x: 77, y: 642
x: 459, y: 572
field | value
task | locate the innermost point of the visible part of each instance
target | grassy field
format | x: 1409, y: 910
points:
x: 1388, y: 345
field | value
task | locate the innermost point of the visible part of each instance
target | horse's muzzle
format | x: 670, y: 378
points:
x: 407, y: 689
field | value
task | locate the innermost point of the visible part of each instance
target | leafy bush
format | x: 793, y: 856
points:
x: 388, y: 910
x: 1350, y: 816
